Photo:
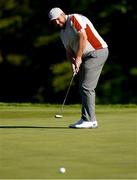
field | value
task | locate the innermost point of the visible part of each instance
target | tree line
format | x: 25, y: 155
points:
x: 33, y: 64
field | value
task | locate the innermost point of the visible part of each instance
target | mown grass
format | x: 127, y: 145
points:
x: 34, y: 145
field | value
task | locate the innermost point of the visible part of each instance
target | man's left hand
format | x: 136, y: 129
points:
x: 78, y: 62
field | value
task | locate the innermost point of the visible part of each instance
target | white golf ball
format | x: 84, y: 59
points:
x: 62, y: 170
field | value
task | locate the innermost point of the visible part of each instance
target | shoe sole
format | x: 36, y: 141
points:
x: 83, y: 127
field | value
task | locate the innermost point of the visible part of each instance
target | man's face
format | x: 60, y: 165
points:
x: 60, y: 21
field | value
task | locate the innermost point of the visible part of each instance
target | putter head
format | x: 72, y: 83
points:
x: 58, y: 116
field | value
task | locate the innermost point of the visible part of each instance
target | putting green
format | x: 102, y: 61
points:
x: 34, y: 144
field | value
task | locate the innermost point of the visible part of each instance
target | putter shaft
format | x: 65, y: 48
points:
x: 67, y: 92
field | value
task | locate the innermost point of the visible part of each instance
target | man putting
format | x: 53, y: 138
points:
x: 88, y: 53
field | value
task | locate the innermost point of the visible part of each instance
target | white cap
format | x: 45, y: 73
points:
x: 54, y: 13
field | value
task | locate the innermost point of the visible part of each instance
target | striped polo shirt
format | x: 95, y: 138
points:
x: 76, y: 23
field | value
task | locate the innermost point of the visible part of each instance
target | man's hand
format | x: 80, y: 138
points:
x: 76, y: 64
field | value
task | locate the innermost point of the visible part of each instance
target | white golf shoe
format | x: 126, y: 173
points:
x: 84, y: 124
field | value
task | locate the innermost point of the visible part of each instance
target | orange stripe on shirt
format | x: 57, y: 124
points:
x: 76, y: 23
x: 92, y: 38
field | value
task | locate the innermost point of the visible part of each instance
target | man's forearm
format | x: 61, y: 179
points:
x: 80, y: 50
x: 82, y: 43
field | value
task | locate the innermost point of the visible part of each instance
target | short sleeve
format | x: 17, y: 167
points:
x: 77, y: 21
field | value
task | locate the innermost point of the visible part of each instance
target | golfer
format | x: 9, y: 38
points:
x: 87, y: 52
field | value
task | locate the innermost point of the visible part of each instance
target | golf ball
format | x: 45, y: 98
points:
x: 62, y: 170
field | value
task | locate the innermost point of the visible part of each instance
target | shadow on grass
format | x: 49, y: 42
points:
x: 29, y: 127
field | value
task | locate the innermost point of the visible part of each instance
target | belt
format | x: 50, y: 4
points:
x: 91, y: 54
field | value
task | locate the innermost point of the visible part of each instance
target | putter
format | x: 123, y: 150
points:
x: 62, y: 106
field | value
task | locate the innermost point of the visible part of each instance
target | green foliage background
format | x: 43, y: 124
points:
x: 33, y: 64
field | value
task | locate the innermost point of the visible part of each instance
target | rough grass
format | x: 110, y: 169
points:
x: 34, y: 145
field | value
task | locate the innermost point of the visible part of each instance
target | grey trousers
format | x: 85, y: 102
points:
x: 90, y: 71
